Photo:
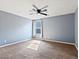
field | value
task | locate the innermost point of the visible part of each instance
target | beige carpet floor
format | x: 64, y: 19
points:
x: 37, y: 49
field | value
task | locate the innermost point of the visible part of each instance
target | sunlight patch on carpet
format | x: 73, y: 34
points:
x: 34, y: 45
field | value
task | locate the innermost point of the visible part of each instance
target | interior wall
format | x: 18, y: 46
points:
x: 60, y: 28
x: 76, y: 28
x: 14, y: 28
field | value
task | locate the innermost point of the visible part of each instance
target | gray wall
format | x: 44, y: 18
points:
x: 76, y: 28
x: 60, y: 28
x: 14, y: 28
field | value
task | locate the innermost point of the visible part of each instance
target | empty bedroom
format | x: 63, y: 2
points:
x: 38, y: 29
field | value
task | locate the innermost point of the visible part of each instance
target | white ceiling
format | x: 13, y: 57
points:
x: 23, y: 7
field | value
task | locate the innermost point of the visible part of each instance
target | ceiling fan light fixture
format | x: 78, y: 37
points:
x: 40, y: 11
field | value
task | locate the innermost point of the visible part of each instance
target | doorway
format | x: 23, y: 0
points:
x: 37, y: 29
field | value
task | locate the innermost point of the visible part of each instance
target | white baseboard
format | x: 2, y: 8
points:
x: 42, y: 39
x: 13, y: 43
x: 59, y: 41
x: 76, y: 47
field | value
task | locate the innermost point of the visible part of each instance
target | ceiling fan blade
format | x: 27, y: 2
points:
x: 35, y: 6
x: 44, y: 10
x: 33, y: 9
x: 43, y: 14
x: 45, y: 7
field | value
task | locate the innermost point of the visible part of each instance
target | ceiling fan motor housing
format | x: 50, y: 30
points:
x: 38, y: 10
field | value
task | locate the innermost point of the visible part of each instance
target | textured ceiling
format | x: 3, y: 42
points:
x: 23, y: 7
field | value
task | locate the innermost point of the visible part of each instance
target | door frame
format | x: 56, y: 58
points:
x: 33, y: 28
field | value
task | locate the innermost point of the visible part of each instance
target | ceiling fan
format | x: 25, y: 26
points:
x: 39, y: 11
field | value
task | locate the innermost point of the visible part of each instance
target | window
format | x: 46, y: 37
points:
x: 38, y: 31
x: 38, y: 23
x: 38, y: 26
